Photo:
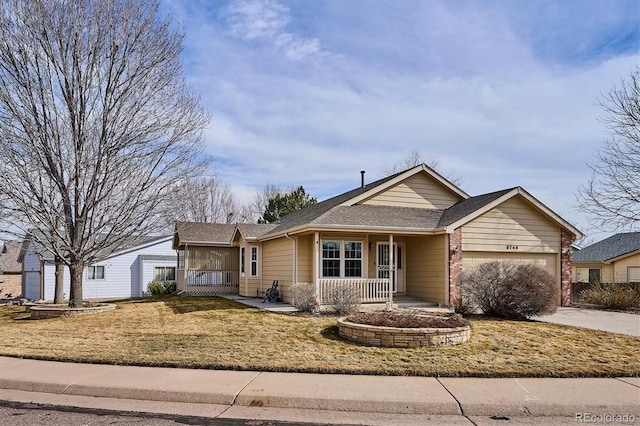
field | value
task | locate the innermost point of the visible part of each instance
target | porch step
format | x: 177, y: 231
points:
x: 403, y: 301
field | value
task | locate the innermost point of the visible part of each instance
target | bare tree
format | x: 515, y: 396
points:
x: 414, y: 158
x: 611, y: 197
x: 255, y: 209
x: 95, y: 116
x: 205, y: 199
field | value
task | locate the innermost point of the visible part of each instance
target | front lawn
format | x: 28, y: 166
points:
x: 210, y: 332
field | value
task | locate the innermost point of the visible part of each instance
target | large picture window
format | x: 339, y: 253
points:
x: 341, y: 259
x: 95, y: 272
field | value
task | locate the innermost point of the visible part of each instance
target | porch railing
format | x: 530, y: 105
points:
x: 211, y: 282
x: 370, y: 290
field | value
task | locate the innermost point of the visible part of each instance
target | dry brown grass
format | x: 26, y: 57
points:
x: 217, y: 333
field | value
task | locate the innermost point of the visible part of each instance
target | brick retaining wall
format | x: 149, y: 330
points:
x: 48, y: 312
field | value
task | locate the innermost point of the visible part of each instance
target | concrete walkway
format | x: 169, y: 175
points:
x: 594, y: 319
x: 347, y: 398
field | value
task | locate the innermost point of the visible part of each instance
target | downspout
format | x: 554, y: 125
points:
x: 186, y: 266
x: 316, y: 264
x: 392, y: 271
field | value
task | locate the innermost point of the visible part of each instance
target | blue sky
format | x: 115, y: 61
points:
x: 502, y: 93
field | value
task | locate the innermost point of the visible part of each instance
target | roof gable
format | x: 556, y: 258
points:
x: 419, y: 190
x: 437, y: 184
x: 610, y: 249
x: 465, y: 211
x: 321, y: 212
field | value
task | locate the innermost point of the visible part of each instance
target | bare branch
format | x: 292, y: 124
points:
x: 95, y: 117
x: 611, y: 197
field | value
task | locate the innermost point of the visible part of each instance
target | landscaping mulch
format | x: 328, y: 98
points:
x: 407, y: 319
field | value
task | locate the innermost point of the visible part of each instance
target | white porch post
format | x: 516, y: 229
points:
x: 392, y: 271
x: 316, y: 263
x: 186, y: 266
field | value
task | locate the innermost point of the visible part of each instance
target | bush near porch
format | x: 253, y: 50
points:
x: 211, y: 332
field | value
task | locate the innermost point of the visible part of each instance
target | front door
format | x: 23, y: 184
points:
x: 383, y: 267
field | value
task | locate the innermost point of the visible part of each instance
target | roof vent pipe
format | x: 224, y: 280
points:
x: 361, y: 178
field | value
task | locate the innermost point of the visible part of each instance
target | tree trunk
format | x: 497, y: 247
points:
x: 75, y: 288
x: 59, y: 287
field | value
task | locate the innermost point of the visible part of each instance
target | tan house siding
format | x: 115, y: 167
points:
x: 252, y: 287
x: 419, y: 191
x: 305, y: 259
x: 277, y: 264
x: 425, y: 266
x: 547, y: 261
x: 513, y: 225
x: 621, y: 268
x: 580, y: 272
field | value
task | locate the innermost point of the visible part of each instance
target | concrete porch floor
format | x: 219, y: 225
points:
x: 400, y: 301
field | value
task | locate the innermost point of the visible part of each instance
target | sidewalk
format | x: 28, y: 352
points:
x: 213, y: 393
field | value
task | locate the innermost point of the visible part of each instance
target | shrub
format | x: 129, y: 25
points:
x: 613, y: 295
x: 343, y: 298
x: 304, y: 296
x: 170, y: 287
x: 509, y: 291
x: 155, y: 288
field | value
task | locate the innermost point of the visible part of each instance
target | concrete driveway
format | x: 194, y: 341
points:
x: 614, y: 322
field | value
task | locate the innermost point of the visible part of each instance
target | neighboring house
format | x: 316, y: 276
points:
x: 412, y: 233
x: 10, y: 270
x: 613, y: 260
x: 125, y: 273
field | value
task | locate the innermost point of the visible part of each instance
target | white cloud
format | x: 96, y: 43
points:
x: 363, y: 85
x: 266, y: 21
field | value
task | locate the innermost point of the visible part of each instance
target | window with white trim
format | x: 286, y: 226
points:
x: 254, y: 261
x: 95, y: 272
x: 341, y: 259
x: 352, y: 259
x: 164, y: 273
x: 243, y: 251
x: 633, y: 274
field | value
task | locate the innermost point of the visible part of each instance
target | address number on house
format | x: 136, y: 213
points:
x: 510, y: 247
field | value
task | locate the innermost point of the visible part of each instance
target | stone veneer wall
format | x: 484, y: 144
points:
x: 402, y: 337
x: 455, y: 265
x: 48, y: 312
x: 566, y: 241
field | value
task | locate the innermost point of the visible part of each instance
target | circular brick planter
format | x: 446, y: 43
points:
x: 402, y: 337
x: 47, y: 311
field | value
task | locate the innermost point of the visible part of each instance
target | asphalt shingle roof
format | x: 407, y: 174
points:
x: 615, y: 246
x: 464, y: 208
x: 205, y: 232
x: 308, y: 215
x: 255, y: 230
x: 9, y: 252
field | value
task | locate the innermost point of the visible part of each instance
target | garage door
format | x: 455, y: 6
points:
x: 548, y: 261
x: 31, y: 285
